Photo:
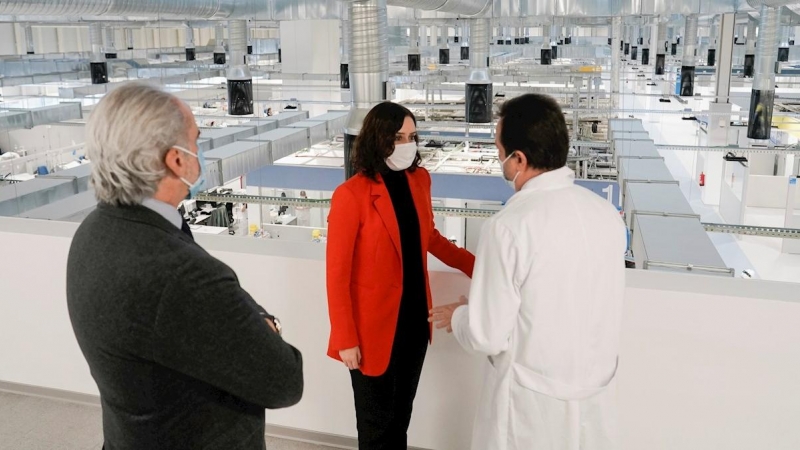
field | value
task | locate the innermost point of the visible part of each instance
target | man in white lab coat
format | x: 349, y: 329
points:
x: 546, y: 297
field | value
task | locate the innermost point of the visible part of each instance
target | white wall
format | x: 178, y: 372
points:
x: 43, y: 138
x: 310, y: 46
x: 8, y: 39
x: 705, y: 363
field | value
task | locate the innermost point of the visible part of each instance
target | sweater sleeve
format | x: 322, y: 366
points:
x: 209, y: 328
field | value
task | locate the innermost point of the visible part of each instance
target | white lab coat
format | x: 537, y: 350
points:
x: 545, y: 306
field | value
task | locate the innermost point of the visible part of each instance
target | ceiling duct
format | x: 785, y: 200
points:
x: 461, y: 7
x: 208, y: 9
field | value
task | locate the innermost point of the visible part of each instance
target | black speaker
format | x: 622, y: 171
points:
x: 712, y: 57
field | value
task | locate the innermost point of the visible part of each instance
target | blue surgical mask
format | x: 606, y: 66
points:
x: 199, y: 183
x: 513, y: 182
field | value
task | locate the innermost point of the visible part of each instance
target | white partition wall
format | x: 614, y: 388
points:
x: 706, y: 362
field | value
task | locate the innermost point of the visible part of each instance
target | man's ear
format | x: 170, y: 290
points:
x: 173, y: 161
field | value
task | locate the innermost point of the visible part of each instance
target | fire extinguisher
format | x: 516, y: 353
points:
x: 702, y: 179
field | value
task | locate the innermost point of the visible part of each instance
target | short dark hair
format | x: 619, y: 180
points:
x: 534, y: 125
x: 375, y: 141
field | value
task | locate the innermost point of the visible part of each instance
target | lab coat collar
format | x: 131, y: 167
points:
x: 549, y: 181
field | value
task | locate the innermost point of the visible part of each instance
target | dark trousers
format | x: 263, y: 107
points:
x: 384, y: 403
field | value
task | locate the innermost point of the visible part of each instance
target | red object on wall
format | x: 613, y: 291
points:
x: 702, y: 179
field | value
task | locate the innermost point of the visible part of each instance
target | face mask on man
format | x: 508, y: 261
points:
x: 403, y: 156
x: 199, y: 183
x: 513, y: 182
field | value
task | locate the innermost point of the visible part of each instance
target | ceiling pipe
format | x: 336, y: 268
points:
x: 763, y: 95
x: 688, y: 66
x: 369, y: 67
x: 478, y: 89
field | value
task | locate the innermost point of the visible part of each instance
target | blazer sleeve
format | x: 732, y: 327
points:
x: 209, y: 328
x: 447, y: 252
x: 343, y: 226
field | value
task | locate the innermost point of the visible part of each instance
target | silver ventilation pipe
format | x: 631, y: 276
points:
x: 129, y: 38
x: 344, y: 64
x: 444, y: 49
x: 240, y: 81
x: 479, y: 46
x: 616, y: 57
x: 712, y: 43
x: 98, y: 65
x: 111, y: 44
x: 369, y: 66
x: 96, y: 41
x: 219, y: 48
x: 414, y: 56
x: 206, y: 9
x: 478, y: 90
x: 763, y: 95
x: 750, y: 52
x: 661, y: 48
x: 219, y: 34
x: 189, y: 43
x: 29, y: 48
x: 547, y: 51
x: 461, y: 7
x: 689, y: 47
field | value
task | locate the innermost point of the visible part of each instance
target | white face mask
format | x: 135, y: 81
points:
x: 403, y: 156
x: 513, y: 182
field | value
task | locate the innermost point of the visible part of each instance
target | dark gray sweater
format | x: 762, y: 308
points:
x: 179, y: 351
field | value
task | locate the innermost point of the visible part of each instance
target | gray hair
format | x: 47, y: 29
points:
x: 127, y: 137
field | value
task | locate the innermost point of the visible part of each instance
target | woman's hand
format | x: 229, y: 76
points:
x: 351, y: 357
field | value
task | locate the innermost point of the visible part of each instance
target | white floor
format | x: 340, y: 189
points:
x: 761, y: 254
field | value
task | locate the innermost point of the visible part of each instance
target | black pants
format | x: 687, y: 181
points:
x: 384, y: 403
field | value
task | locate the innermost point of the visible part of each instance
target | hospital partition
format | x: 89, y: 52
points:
x: 705, y: 362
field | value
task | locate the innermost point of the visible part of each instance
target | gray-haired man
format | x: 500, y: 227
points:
x: 182, y: 355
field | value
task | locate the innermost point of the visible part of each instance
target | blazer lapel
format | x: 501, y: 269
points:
x: 383, y: 204
x: 421, y: 197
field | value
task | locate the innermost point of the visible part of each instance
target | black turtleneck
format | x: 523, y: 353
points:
x: 413, y: 317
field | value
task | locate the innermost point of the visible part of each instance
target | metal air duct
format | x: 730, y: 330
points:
x: 369, y: 66
x: 207, y: 9
x: 661, y: 48
x: 129, y: 38
x: 444, y: 49
x: 240, y: 81
x: 763, y: 95
x: 712, y: 41
x: 750, y: 53
x: 547, y: 51
x: 616, y: 34
x: 98, y: 66
x: 111, y: 44
x: 344, y: 65
x: 462, y: 7
x: 688, y: 66
x: 29, y: 48
x: 219, y: 49
x: 478, y: 90
x: 414, y: 56
x: 189, y: 41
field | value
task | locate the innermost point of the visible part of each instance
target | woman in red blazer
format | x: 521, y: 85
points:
x: 380, y: 231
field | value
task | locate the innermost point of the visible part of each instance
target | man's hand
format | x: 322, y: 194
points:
x: 442, y: 315
x: 351, y: 357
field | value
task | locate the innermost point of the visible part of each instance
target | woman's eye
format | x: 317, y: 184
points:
x: 398, y: 138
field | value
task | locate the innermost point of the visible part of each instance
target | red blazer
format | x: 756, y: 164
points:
x: 364, y: 266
